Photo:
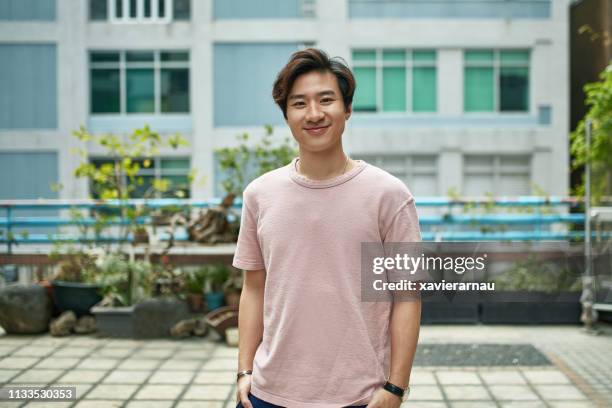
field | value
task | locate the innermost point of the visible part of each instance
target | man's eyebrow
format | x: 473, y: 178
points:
x: 324, y: 93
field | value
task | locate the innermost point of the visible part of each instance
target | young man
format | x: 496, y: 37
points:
x: 306, y: 338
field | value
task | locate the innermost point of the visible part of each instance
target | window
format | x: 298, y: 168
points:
x: 418, y: 172
x: 175, y: 170
x: 496, y: 81
x: 395, y: 80
x: 139, y: 11
x: 496, y: 174
x: 139, y: 82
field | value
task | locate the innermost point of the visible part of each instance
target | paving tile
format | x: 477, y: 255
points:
x: 161, y: 344
x: 94, y: 363
x: 37, y: 376
x: 181, y: 365
x: 53, y: 362
x: 523, y: 404
x: 171, y: 377
x: 47, y: 340
x: 207, y: 392
x: 546, y: 377
x: 559, y: 392
x: 74, y: 352
x: 220, y: 364
x: 34, y: 351
x: 99, y: 404
x: 87, y: 341
x: 113, y: 352
x: 82, y: 389
x: 426, y: 393
x: 419, y: 404
x: 153, y: 353
x: 82, y: 376
x: 502, y: 377
x: 10, y: 404
x: 125, y: 343
x: 513, y: 393
x: 114, y: 391
x: 138, y: 364
x: 18, y: 362
x: 572, y: 404
x: 466, y: 392
x: 127, y: 377
x: 5, y: 350
x: 50, y: 404
x: 226, y: 352
x: 150, y: 404
x: 190, y: 354
x: 5, y: 375
x: 457, y: 377
x: 420, y: 377
x: 159, y: 392
x: 217, y: 377
x: 202, y: 404
x: 473, y: 404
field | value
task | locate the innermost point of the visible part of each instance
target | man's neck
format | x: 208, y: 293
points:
x: 324, y: 165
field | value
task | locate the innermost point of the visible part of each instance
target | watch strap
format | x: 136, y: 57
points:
x: 394, y: 389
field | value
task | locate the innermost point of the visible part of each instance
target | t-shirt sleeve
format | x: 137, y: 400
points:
x: 248, y: 251
x: 404, y: 227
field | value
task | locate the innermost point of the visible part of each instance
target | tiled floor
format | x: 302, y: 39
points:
x: 200, y: 373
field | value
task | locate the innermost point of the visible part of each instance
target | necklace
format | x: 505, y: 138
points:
x: 297, y: 165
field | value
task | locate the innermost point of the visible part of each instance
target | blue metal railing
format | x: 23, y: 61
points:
x: 525, y: 218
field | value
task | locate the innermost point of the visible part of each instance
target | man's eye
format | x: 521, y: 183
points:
x: 298, y: 104
x: 326, y: 100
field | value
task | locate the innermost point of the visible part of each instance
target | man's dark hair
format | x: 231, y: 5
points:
x: 305, y: 61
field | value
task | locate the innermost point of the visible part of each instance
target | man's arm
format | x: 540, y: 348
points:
x: 404, y: 328
x: 250, y: 328
x: 250, y: 318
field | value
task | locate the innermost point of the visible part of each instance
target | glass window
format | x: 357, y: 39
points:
x: 496, y: 81
x: 98, y: 10
x: 105, y: 93
x: 134, y: 76
x: 395, y: 80
x: 181, y: 9
x: 174, y: 90
x: 140, y: 91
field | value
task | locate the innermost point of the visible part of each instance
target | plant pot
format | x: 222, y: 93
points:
x: 75, y: 296
x: 114, y: 321
x: 524, y: 307
x: 195, y: 301
x: 441, y: 308
x: 214, y: 300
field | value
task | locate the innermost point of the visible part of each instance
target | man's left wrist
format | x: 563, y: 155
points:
x: 400, y: 392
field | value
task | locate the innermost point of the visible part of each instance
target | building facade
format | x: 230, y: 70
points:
x: 453, y: 96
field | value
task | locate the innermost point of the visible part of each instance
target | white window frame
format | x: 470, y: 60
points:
x: 140, y: 17
x: 497, y: 168
x: 497, y: 65
x: 157, y: 65
x: 408, y: 64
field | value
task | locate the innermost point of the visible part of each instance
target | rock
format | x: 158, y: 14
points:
x: 25, y: 309
x: 153, y: 318
x: 63, y: 325
x: 85, y: 325
x: 183, y: 328
x: 201, y: 328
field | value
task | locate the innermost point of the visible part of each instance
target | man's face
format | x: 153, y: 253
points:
x: 315, y: 111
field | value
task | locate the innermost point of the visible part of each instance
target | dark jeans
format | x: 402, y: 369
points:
x: 257, y: 403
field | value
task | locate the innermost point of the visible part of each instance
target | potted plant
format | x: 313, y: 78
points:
x: 233, y: 287
x: 194, y: 284
x: 74, y: 285
x: 533, y: 292
x: 215, y: 277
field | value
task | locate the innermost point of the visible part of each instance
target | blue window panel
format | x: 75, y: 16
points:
x: 238, y: 9
x: 243, y: 78
x: 27, y: 10
x: 544, y: 115
x: 28, y: 176
x: 28, y: 80
x: 540, y: 9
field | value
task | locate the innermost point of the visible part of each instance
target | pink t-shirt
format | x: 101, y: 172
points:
x: 322, y: 347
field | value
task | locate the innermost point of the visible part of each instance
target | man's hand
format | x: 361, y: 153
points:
x: 384, y: 399
x: 242, y: 392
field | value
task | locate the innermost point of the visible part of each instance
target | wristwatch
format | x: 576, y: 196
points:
x: 395, y: 390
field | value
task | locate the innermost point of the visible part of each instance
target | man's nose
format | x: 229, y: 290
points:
x: 314, y: 112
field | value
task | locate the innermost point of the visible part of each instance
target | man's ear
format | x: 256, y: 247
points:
x: 349, y: 111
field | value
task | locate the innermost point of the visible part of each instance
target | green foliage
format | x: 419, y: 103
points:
x: 248, y: 161
x: 599, y: 101
x: 125, y: 282
x: 532, y: 274
x: 215, y: 277
x: 195, y: 280
x: 73, y: 265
